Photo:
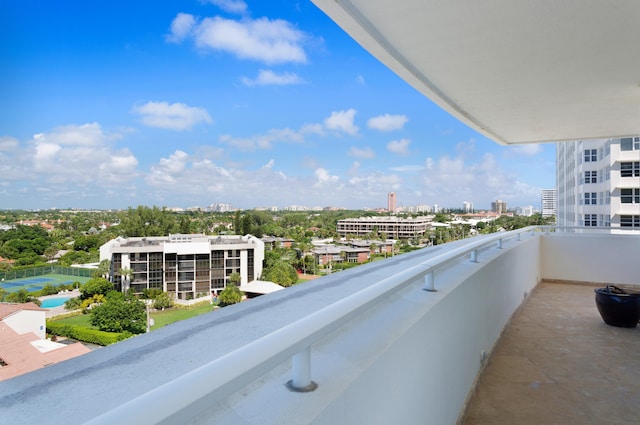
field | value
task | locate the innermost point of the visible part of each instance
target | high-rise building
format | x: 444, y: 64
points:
x: 598, y: 183
x: 525, y: 211
x: 467, y: 207
x: 499, y: 206
x: 549, y: 205
x: 391, y: 202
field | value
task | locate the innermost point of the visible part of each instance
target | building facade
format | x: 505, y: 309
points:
x: 185, y: 266
x: 391, y: 202
x: 499, y: 206
x: 392, y: 227
x: 549, y: 202
x: 598, y: 183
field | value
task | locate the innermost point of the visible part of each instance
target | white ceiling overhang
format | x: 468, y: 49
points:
x: 517, y: 71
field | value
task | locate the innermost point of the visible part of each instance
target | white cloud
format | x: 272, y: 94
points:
x: 263, y: 141
x: 400, y: 147
x: 354, y: 169
x: 187, y: 175
x: 181, y: 27
x: 265, y: 40
x: 8, y: 144
x: 231, y: 6
x: 524, y: 150
x: 75, y: 156
x: 317, y: 129
x: 342, y: 121
x: 323, y: 178
x: 175, y: 116
x: 267, y: 77
x: 364, y: 153
x: 452, y: 180
x: 387, y: 122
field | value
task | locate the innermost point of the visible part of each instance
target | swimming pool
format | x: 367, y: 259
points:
x: 54, y: 302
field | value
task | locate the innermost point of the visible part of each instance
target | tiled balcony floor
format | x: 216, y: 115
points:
x: 559, y: 363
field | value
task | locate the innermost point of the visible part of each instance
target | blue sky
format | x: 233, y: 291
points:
x: 253, y: 103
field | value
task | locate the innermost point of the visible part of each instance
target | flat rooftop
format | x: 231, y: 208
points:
x: 559, y: 363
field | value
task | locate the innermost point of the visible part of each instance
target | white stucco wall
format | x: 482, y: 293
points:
x: 27, y: 321
x: 595, y: 258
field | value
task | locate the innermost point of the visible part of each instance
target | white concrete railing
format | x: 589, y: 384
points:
x: 194, y: 392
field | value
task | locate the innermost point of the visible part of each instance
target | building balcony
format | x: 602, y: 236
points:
x: 404, y: 340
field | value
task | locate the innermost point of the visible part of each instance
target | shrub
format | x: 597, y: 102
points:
x: 72, y: 303
x: 230, y: 295
x: 83, y: 334
x: 152, y: 293
x: 162, y: 301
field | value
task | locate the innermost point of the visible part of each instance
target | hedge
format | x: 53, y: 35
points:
x: 92, y: 336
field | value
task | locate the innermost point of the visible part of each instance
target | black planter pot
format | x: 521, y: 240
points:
x: 618, y: 307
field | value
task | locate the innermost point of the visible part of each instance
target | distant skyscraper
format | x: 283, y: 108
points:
x: 549, y: 202
x: 499, y: 206
x: 525, y: 211
x: 598, y: 183
x: 391, y: 202
x: 467, y: 207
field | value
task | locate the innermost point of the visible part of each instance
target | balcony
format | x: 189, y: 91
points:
x: 397, y: 341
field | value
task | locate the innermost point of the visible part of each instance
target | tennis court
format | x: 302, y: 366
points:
x: 33, y: 284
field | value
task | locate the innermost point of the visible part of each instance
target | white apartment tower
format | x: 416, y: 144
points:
x: 598, y: 183
x: 549, y: 202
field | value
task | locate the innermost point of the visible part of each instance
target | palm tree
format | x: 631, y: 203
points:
x: 104, y: 268
x: 125, y: 275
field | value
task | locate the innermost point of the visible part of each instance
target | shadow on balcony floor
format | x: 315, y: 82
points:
x: 559, y: 363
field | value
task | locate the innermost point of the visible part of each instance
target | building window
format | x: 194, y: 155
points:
x: 591, y: 220
x: 607, y: 172
x: 607, y: 199
x: 590, y: 198
x: 607, y: 148
x: 630, y: 221
x: 590, y: 177
x: 590, y: 155
x: 630, y: 144
x: 630, y: 169
x: 630, y: 196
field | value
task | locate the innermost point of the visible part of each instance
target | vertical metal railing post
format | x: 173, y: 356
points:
x: 301, y: 372
x: 500, y: 243
x: 429, y: 284
x: 474, y: 256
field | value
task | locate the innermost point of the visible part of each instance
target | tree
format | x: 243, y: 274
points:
x: 103, y: 270
x: 125, y: 275
x: 95, y: 286
x: 50, y: 252
x: 162, y: 301
x: 237, y: 223
x: 230, y: 295
x: 234, y: 279
x: 282, y: 273
x: 120, y: 314
x: 21, y: 296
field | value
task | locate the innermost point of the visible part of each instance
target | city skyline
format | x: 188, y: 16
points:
x: 250, y: 103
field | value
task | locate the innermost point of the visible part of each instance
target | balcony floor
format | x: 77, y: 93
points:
x: 559, y: 363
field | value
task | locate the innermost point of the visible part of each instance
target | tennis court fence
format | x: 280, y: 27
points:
x: 43, y: 270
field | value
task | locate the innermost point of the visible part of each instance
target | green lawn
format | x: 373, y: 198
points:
x: 166, y: 317
x: 83, y: 320
x: 161, y: 318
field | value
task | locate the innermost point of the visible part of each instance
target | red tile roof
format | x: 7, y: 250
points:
x: 20, y: 356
